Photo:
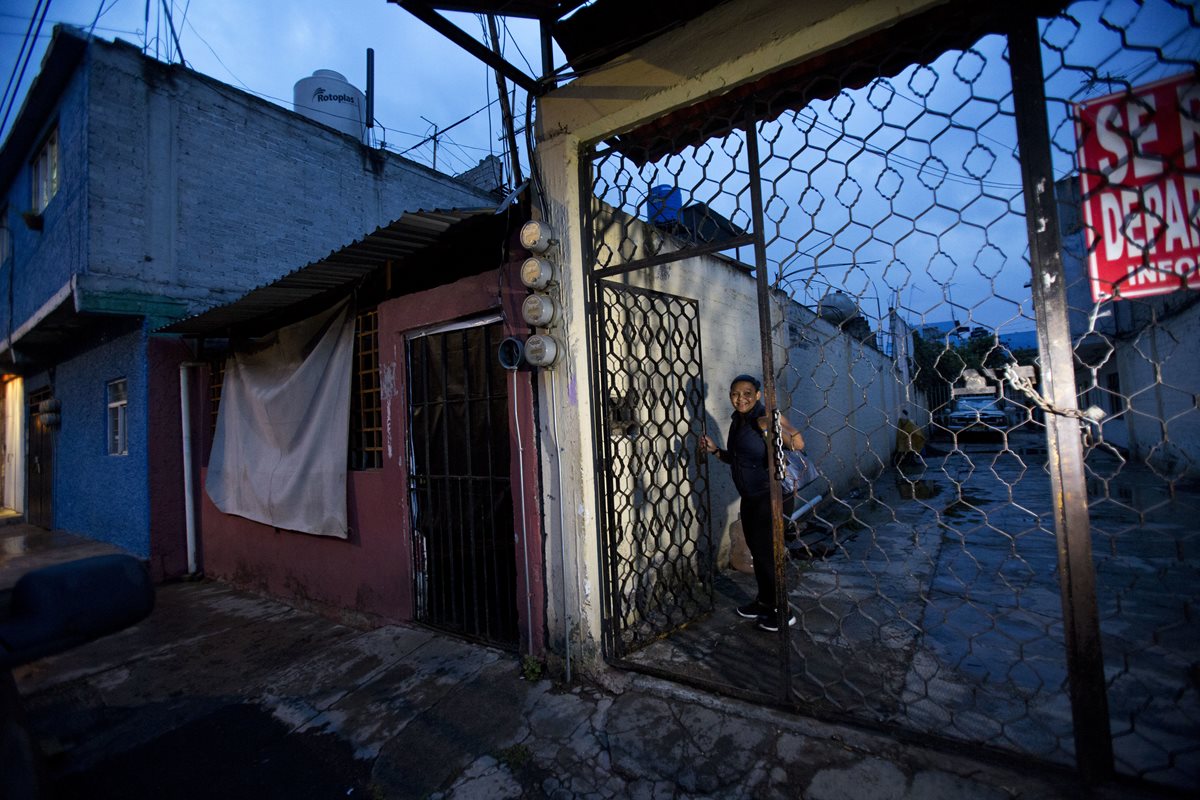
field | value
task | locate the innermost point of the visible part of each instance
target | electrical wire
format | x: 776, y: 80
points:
x: 10, y: 99
x: 204, y: 41
x: 26, y: 42
x: 516, y: 44
x: 186, y: 8
x: 100, y: 12
x: 174, y: 35
x: 465, y: 157
x: 487, y: 90
x: 451, y: 126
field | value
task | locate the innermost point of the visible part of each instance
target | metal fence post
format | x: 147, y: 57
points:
x: 770, y: 400
x: 1085, y: 664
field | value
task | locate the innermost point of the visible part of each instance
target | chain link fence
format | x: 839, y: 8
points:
x: 857, y: 232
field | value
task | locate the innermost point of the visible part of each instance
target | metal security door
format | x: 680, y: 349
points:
x: 656, y: 535
x: 464, y: 553
x: 40, y: 465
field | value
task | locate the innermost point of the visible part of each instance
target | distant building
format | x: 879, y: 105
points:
x: 939, y: 331
x: 1019, y: 340
x: 133, y: 193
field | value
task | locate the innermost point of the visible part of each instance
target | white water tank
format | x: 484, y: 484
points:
x: 328, y: 98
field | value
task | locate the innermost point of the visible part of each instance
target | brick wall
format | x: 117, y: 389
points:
x: 201, y: 192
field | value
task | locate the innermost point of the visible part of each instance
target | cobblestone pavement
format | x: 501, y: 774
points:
x: 932, y: 604
x: 225, y: 694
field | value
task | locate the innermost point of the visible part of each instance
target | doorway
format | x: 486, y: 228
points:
x: 40, y: 464
x: 460, y: 486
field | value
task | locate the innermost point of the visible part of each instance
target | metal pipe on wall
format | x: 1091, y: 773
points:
x: 562, y: 531
x: 189, y: 506
x: 524, y: 522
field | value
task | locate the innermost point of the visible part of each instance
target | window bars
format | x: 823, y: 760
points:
x: 366, y: 413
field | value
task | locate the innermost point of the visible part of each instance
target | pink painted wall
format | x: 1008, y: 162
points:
x: 359, y: 576
x: 370, y: 574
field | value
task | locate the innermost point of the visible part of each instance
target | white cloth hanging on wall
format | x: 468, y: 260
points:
x: 279, y: 452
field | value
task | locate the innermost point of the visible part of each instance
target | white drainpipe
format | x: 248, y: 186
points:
x: 185, y: 414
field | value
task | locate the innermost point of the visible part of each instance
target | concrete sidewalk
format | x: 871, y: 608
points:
x: 225, y: 694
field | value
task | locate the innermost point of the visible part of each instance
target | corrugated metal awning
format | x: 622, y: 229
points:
x: 341, y: 269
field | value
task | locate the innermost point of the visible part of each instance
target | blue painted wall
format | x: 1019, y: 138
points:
x: 45, y: 260
x: 103, y: 497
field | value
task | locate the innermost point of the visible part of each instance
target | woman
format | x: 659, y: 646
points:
x: 749, y: 457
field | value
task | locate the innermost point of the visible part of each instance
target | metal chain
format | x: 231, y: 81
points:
x: 780, y: 460
x: 1092, y: 414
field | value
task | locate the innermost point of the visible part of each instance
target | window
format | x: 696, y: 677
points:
x: 366, y: 409
x: 45, y: 173
x: 118, y: 402
x: 1116, y: 403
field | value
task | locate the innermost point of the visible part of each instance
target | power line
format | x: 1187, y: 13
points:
x: 100, y: 11
x: 516, y: 44
x: 56, y: 21
x: 451, y: 126
x: 174, y: 35
x: 10, y: 99
x: 204, y: 41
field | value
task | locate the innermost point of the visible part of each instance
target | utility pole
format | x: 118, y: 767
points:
x: 505, y: 108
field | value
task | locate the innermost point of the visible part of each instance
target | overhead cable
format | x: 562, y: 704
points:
x: 10, y: 99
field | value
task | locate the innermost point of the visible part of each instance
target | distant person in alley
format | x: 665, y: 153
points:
x: 910, y: 439
x: 749, y: 456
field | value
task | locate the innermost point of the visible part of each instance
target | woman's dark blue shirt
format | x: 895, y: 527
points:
x: 748, y: 453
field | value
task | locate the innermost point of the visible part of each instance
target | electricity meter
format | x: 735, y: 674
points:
x: 536, y: 273
x: 541, y: 351
x: 536, y: 236
x: 539, y: 310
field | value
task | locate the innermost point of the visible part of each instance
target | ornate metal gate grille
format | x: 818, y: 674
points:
x: 464, y: 552
x: 658, y: 554
x: 879, y: 237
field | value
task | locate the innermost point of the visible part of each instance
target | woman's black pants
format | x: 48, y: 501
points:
x: 756, y: 525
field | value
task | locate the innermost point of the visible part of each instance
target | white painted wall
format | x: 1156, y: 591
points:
x: 843, y: 395
x: 1159, y: 370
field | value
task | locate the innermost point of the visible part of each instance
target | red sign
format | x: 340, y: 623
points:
x: 1141, y: 188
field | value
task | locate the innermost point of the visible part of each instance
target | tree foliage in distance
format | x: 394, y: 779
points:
x: 938, y: 364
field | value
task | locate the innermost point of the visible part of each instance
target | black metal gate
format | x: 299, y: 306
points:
x: 657, y: 541
x: 1000, y: 552
x: 464, y: 554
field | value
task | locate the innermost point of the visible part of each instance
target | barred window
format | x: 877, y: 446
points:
x: 216, y: 379
x: 366, y: 410
x: 1112, y: 383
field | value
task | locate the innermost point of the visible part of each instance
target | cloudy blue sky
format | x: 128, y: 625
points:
x: 957, y: 181
x: 265, y: 46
